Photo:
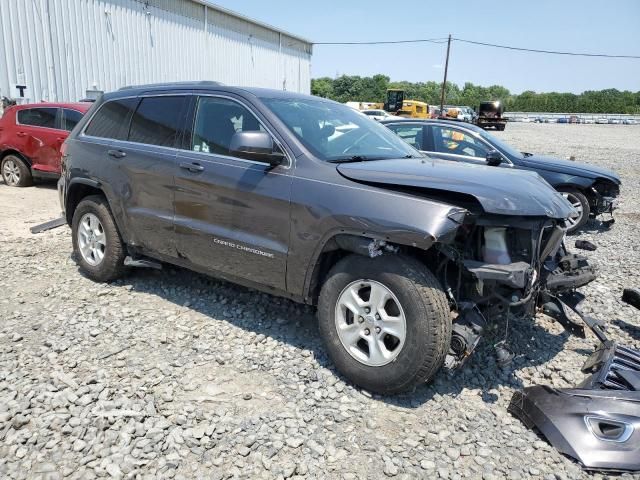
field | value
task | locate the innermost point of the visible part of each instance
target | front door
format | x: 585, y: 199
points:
x: 451, y: 143
x: 232, y: 214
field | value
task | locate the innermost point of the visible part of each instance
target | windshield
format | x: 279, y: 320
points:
x: 335, y: 132
x: 495, y: 141
x: 499, y: 144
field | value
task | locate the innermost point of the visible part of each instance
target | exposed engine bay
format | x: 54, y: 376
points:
x: 497, y: 266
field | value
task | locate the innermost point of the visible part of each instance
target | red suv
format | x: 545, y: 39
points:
x: 30, y: 139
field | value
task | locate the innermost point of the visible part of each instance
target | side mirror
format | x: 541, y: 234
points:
x: 494, y: 158
x: 256, y: 146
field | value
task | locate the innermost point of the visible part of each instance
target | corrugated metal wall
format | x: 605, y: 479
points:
x: 62, y: 48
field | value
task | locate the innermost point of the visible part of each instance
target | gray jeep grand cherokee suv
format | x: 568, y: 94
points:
x: 406, y: 257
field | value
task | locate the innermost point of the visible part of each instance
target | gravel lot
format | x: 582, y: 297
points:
x: 175, y: 375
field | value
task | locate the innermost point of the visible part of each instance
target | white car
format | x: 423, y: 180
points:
x: 602, y: 120
x: 379, y: 114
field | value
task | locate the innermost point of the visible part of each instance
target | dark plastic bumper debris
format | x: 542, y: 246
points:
x: 586, y: 245
x: 632, y: 297
x: 51, y: 224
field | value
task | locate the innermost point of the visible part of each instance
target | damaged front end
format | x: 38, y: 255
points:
x: 498, y: 266
x: 502, y: 266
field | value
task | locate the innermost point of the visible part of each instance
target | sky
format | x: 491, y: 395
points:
x: 611, y: 27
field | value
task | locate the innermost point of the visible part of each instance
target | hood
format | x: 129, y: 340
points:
x: 499, y: 191
x: 570, y: 167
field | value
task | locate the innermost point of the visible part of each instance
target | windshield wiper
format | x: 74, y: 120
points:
x: 362, y: 158
x: 351, y: 159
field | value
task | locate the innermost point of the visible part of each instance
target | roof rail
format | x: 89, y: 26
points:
x: 200, y: 83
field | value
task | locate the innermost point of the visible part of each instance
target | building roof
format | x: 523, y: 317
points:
x: 251, y: 20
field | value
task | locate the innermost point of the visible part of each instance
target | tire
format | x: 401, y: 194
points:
x: 105, y: 261
x: 421, y: 301
x: 581, y: 203
x: 15, y: 172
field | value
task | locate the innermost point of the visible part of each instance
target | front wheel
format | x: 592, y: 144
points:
x: 385, y: 322
x: 580, y: 204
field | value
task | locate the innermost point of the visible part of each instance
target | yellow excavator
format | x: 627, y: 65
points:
x: 397, y: 105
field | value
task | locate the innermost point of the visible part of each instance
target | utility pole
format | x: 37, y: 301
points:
x: 444, y: 82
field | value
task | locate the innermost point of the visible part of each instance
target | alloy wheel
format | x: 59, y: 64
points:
x: 92, y: 239
x: 577, y: 205
x: 11, y: 172
x: 370, y: 322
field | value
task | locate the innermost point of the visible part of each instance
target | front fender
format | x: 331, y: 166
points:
x: 320, y: 211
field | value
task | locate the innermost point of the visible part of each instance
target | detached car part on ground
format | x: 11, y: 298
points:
x: 406, y: 257
x: 598, y: 422
x: 591, y: 190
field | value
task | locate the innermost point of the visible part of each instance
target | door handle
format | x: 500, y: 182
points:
x: 192, y: 167
x: 116, y: 153
x: 21, y: 134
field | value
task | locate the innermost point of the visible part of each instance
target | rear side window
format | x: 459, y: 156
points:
x: 110, y: 121
x: 70, y: 119
x: 157, y: 121
x: 38, y: 117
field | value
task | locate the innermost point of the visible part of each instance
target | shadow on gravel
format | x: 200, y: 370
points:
x: 286, y: 321
x: 592, y: 226
x: 632, y: 330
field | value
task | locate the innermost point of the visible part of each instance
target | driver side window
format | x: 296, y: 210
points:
x: 217, y: 121
x: 457, y: 142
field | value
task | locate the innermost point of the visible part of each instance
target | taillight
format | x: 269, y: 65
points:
x: 63, y: 149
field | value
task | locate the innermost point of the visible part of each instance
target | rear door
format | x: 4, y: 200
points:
x: 232, y: 214
x: 40, y: 137
x: 146, y: 161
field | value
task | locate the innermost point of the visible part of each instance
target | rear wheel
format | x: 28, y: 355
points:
x: 97, y: 245
x: 581, y: 205
x: 385, y: 322
x: 15, y: 172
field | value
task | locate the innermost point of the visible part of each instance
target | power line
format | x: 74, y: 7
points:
x: 553, y: 52
x: 494, y: 45
x: 386, y: 42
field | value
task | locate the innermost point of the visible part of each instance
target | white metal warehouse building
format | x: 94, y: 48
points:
x: 66, y: 50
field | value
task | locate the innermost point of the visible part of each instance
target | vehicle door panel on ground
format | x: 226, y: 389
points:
x: 40, y: 137
x: 232, y: 214
x: 142, y: 152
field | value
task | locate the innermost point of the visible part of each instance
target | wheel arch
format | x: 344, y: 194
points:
x: 339, y: 245
x: 16, y: 153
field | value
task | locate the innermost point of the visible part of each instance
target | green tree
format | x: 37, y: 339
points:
x: 373, y: 89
